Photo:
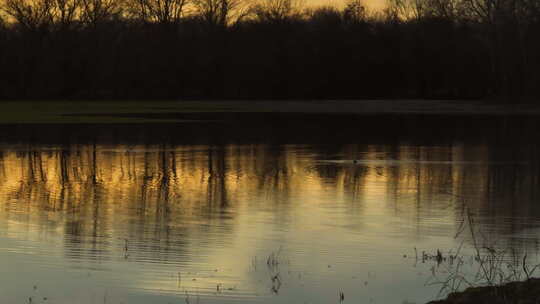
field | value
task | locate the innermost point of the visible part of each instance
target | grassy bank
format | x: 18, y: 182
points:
x: 17, y: 112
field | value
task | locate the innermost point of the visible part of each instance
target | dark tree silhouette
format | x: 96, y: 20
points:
x: 230, y: 49
x: 159, y: 11
x: 98, y: 12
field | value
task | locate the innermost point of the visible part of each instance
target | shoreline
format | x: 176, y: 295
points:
x: 65, y: 112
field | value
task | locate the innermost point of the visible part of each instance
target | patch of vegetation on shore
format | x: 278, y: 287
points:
x: 501, y: 275
x: 525, y: 292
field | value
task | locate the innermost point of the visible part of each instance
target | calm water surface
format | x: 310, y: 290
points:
x: 178, y: 213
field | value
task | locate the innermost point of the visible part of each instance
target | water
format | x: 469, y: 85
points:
x: 192, y: 212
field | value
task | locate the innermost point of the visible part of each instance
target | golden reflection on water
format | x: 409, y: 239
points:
x: 156, y: 183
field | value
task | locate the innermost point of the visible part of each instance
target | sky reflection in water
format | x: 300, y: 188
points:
x: 145, y: 222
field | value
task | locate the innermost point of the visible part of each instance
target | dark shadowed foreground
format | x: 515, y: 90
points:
x: 260, y: 209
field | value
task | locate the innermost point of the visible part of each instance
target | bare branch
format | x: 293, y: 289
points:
x: 161, y: 11
x: 30, y: 14
x: 98, y: 11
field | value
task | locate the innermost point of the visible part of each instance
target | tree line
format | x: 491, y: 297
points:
x: 275, y: 49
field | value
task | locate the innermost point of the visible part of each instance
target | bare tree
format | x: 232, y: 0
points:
x: 448, y: 9
x: 417, y: 9
x: 354, y: 10
x: 277, y: 10
x: 161, y: 11
x: 30, y: 14
x: 482, y: 10
x: 34, y: 14
x: 404, y: 9
x: 221, y: 12
x: 65, y: 12
x: 95, y: 12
